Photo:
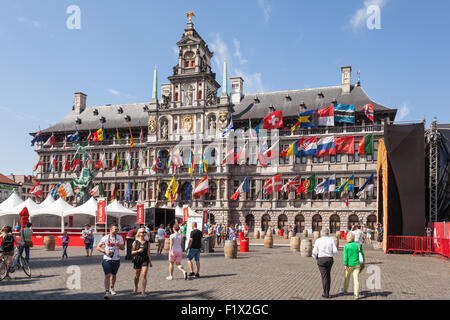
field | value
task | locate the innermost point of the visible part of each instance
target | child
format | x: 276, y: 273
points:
x: 65, y: 244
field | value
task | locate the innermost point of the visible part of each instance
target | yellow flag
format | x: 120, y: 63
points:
x: 131, y: 139
x: 118, y: 137
x: 100, y: 134
x: 171, y: 189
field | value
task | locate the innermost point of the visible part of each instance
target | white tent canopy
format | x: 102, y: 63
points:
x: 9, y: 204
x: 29, y: 203
x: 49, y: 200
x: 89, y: 208
x: 56, y: 208
x: 117, y: 210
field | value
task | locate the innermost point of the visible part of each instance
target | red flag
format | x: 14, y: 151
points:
x: 101, y: 208
x: 37, y: 190
x: 345, y: 144
x: 67, y: 165
x: 94, y: 137
x: 273, y: 120
x: 90, y: 136
x: 346, y: 202
x: 141, y: 137
x: 369, y: 111
x: 273, y: 185
x: 75, y: 164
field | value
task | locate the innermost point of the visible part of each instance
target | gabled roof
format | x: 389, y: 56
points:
x: 5, y: 180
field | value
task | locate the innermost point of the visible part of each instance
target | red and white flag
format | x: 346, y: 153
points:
x: 273, y: 120
x: 273, y: 185
x: 37, y: 190
x: 262, y: 150
x: 344, y: 145
x: 368, y: 111
x: 66, y: 164
x: 50, y: 141
x: 291, y: 185
x: 101, y: 163
x: 141, y: 137
x: 39, y: 163
x: 201, y: 188
x: 241, y: 157
x: 326, y: 116
x: 273, y: 151
x: 228, y: 158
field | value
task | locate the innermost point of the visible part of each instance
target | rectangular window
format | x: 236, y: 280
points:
x: 332, y: 158
x: 314, y: 159
x: 338, y: 158
x: 356, y: 152
x: 321, y: 159
x: 284, y: 160
x: 252, y: 193
x: 350, y: 158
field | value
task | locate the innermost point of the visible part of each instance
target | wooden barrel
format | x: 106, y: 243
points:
x: 306, y: 248
x: 305, y: 233
x: 262, y: 235
x: 256, y: 235
x: 338, y: 234
x: 230, y: 249
x: 291, y: 234
x: 49, y: 243
x: 268, y: 241
x: 166, y: 245
x: 156, y: 239
x: 336, y: 241
x: 295, y: 244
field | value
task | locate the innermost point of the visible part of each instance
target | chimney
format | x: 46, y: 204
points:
x: 79, y: 102
x: 237, y: 89
x: 346, y: 79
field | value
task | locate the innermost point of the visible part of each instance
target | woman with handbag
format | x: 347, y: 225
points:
x: 141, y: 260
x: 353, y: 263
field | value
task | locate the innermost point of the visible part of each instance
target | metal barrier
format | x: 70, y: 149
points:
x: 419, y: 245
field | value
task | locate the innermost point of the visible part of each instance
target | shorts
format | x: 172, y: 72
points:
x: 90, y: 245
x: 193, y: 253
x: 139, y: 265
x: 110, y: 266
x: 161, y: 243
x: 175, y: 256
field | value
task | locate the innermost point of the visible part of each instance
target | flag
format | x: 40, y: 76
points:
x: 39, y: 163
x: 328, y: 185
x: 325, y: 146
x: 54, y: 190
x: 65, y: 143
x: 367, y: 186
x: 289, y: 151
x: 98, y: 190
x: 308, y: 185
x: 76, y: 161
x: 127, y: 165
x: 172, y: 189
x: 365, y: 146
x: 90, y: 136
x: 306, y: 147
x: 244, y: 187
x: 128, y: 192
x: 177, y: 160
x: 201, y: 188
x: 141, y: 162
x: 262, y: 150
x: 273, y: 185
x: 228, y: 159
x: 50, y: 141
x: 131, y: 138
x: 348, y: 185
x: 116, y: 160
x: 191, y: 163
x: 295, y: 127
x: 113, y: 193
x: 250, y: 129
x: 37, y: 190
x: 66, y: 164
x: 229, y: 129
x: 65, y: 190
x: 346, y: 201
x: 274, y: 120
x: 259, y: 126
x: 326, y: 116
x: 290, y: 184
x: 188, y: 191
x: 141, y: 137
x: 118, y: 137
x: 100, y: 136
x: 52, y: 164
x: 37, y: 138
x: 101, y: 163
x: 241, y: 156
x: 204, y: 165
x: 74, y: 136
x: 345, y: 145
x: 368, y: 111
x: 273, y: 151
x: 344, y: 113
x: 308, y: 119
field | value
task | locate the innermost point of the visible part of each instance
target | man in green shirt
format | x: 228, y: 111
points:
x: 184, y: 236
x: 352, y: 263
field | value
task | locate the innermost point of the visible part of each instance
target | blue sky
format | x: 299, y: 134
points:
x: 273, y: 45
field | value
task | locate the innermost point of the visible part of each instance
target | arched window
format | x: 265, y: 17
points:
x: 211, y: 156
x: 335, y: 223
x: 352, y: 220
x: 316, y: 223
x: 372, y: 221
x: 300, y: 222
x: 265, y: 222
x: 189, y: 59
x: 200, y: 95
x: 212, y: 191
x: 250, y: 221
x: 282, y: 221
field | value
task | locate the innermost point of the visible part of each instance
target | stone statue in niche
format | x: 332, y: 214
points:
x: 164, y: 131
x: 212, y: 123
x: 189, y: 94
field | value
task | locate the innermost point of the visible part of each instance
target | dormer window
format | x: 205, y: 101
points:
x: 120, y: 110
x: 95, y: 112
x: 256, y: 100
x: 145, y: 108
x: 102, y: 119
x: 288, y: 98
x: 303, y: 106
x: 127, y: 118
x: 320, y: 95
x: 78, y: 121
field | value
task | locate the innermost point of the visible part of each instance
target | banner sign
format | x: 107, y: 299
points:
x: 205, y: 217
x: 185, y: 213
x: 140, y: 216
x: 101, y: 212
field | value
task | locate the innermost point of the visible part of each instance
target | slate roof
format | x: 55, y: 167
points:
x: 310, y: 97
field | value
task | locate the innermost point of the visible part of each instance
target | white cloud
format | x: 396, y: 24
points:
x: 358, y: 20
x: 237, y: 51
x: 32, y: 23
x: 252, y: 81
x: 114, y: 92
x: 220, y: 49
x: 266, y: 9
x: 403, y: 112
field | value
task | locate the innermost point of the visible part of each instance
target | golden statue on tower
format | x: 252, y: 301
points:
x: 190, y: 15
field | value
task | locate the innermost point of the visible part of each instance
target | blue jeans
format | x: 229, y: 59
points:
x: 65, y: 250
x: 27, y: 252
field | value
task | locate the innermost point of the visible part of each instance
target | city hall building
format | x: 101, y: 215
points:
x: 194, y: 110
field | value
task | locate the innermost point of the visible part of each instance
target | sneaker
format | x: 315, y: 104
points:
x: 113, y: 293
x: 185, y: 274
x: 197, y: 275
x: 169, y: 278
x: 106, y: 296
x: 356, y: 297
x: 191, y: 274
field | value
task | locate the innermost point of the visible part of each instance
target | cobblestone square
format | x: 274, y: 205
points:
x: 261, y: 274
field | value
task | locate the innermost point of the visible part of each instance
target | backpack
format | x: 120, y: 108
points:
x: 8, y: 243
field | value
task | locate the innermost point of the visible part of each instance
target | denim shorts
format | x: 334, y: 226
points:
x: 90, y: 245
x: 193, y: 253
x: 110, y: 266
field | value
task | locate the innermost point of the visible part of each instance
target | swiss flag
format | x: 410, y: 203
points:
x: 273, y: 184
x: 273, y: 120
x: 344, y: 145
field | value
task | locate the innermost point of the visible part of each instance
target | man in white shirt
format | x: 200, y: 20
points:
x: 161, y: 235
x: 324, y: 249
x: 359, y: 236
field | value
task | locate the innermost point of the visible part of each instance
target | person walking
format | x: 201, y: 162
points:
x: 131, y: 235
x: 175, y: 252
x: 369, y: 235
x: 141, y: 260
x: 184, y: 231
x: 353, y: 263
x: 25, y: 242
x: 110, y: 245
x: 380, y: 235
x: 88, y: 236
x: 161, y: 236
x: 219, y: 234
x: 194, y: 246
x: 359, y: 236
x: 7, y: 247
x: 232, y: 233
x: 324, y: 249
x: 65, y: 243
